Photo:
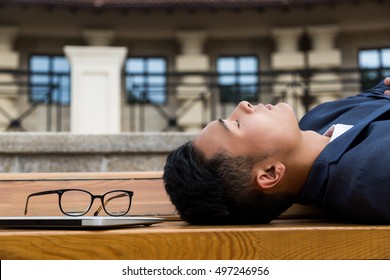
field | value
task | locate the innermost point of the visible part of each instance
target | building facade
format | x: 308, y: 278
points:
x: 124, y: 66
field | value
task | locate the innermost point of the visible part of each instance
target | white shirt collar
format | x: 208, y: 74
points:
x: 337, y: 130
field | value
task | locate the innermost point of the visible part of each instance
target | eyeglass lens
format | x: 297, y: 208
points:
x: 116, y: 203
x: 75, y: 202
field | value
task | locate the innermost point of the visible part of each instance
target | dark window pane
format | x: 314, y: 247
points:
x: 386, y: 58
x: 373, y: 64
x: 247, y: 64
x: 135, y: 65
x: 369, y: 59
x: 40, y: 63
x: 226, y: 65
x: 146, y: 79
x: 156, y: 65
x: 49, y: 79
x: 227, y: 79
x: 237, y: 78
x: 61, y: 64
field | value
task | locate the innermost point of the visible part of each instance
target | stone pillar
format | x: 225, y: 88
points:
x: 96, y: 88
x: 288, y: 57
x: 325, y: 86
x: 9, y: 59
x: 191, y: 87
x: 99, y: 37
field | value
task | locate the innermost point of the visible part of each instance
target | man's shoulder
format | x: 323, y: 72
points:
x: 348, y: 111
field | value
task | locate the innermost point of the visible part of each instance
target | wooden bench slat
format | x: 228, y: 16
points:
x: 290, y: 239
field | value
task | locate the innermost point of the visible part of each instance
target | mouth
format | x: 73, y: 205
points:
x: 268, y: 106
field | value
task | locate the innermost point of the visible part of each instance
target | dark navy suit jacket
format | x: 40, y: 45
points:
x: 351, y: 176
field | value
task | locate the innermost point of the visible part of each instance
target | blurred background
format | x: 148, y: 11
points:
x: 115, y: 66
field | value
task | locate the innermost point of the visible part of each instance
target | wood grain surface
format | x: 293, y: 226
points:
x: 176, y: 240
x: 285, y: 238
x: 149, y: 197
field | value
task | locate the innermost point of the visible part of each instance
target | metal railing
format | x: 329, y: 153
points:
x: 303, y: 88
x: 44, y: 105
x: 26, y: 100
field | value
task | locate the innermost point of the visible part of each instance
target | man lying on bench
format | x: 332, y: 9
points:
x: 252, y: 166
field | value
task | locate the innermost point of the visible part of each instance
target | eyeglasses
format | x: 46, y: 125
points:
x: 76, y: 202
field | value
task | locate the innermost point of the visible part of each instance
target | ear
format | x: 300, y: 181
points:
x: 268, y: 177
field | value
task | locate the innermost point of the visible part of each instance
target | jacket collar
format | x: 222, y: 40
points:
x: 319, y: 172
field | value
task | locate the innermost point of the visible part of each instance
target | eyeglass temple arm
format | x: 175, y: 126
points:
x: 36, y: 194
x: 108, y: 200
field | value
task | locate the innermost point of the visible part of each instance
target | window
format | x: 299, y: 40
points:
x: 238, y: 78
x: 374, y: 65
x: 146, y: 79
x: 50, y: 79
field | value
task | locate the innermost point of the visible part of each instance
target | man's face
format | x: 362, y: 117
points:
x: 251, y: 130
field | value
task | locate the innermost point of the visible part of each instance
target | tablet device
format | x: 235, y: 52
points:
x: 77, y: 222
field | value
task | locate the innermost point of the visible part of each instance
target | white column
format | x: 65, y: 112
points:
x: 325, y: 86
x: 9, y: 59
x: 192, y: 59
x: 96, y: 88
x: 288, y: 57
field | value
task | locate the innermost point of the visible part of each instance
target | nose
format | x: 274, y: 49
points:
x: 246, y: 106
x: 243, y: 107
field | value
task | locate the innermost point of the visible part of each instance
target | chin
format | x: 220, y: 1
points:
x: 289, y: 111
x: 286, y: 106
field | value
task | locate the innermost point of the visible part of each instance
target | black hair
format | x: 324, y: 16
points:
x: 218, y: 190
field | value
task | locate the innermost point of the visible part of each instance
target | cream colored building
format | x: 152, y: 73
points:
x: 98, y: 36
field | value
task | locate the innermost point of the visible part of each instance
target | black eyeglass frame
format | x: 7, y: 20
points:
x: 60, y: 192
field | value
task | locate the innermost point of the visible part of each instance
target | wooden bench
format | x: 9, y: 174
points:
x: 295, y: 235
